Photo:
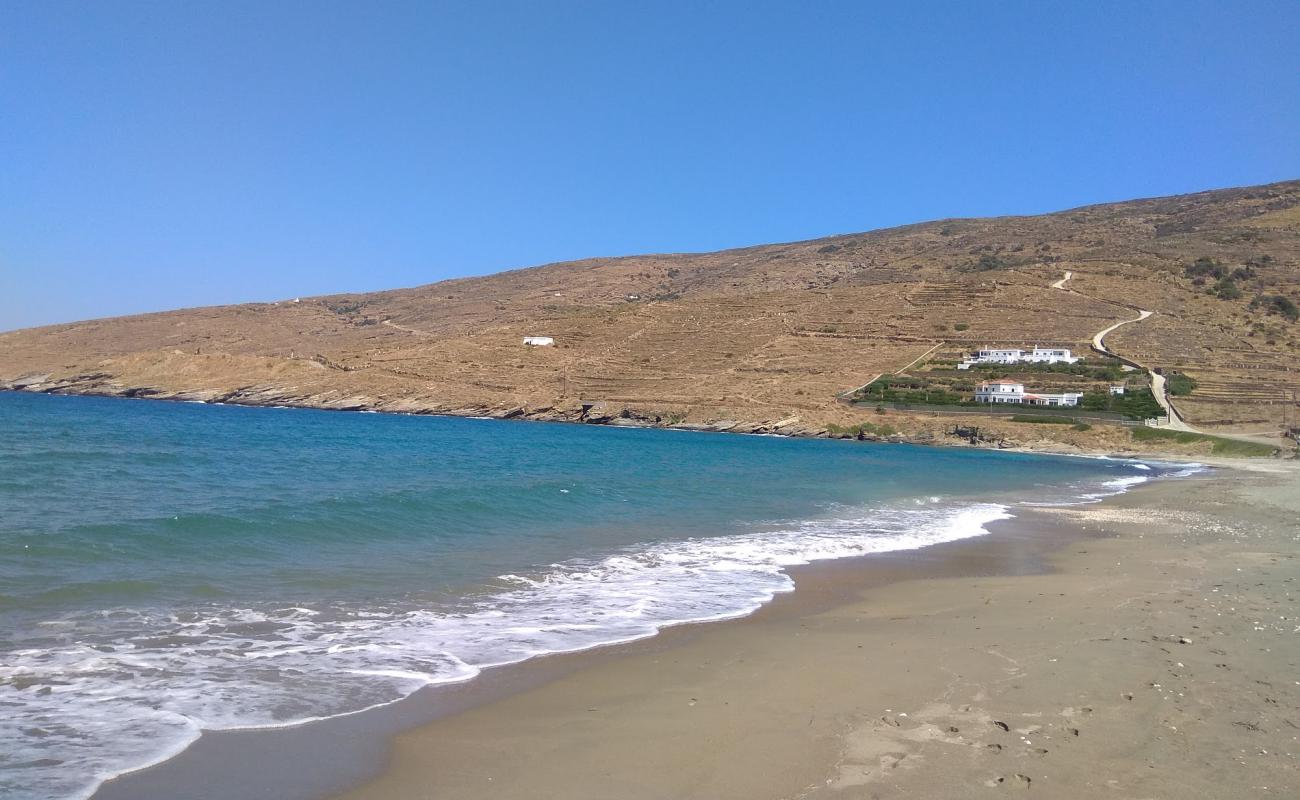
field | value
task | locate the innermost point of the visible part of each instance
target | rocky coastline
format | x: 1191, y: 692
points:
x: 833, y: 423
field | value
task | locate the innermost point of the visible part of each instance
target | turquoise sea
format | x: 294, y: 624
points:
x: 170, y: 568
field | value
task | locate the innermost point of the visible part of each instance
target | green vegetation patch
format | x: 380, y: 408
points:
x: 989, y: 262
x: 1043, y: 420
x: 1226, y: 278
x: 1137, y: 404
x: 1227, y: 289
x: 909, y: 389
x: 1179, y: 384
x: 345, y: 307
x: 1277, y: 304
x: 1219, y: 446
x: 861, y: 428
x: 1095, y: 369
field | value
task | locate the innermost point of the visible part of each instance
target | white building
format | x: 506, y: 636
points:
x: 1039, y: 355
x: 1117, y: 389
x: 539, y: 341
x: 1005, y: 391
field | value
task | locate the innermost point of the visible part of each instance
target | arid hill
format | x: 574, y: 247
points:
x: 760, y: 335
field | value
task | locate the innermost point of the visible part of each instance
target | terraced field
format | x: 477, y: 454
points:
x: 759, y: 333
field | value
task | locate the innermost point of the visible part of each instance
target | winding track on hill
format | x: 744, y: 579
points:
x: 1158, y: 387
x: 392, y: 324
x: 1097, y: 337
x: 1160, y: 390
x: 1061, y: 283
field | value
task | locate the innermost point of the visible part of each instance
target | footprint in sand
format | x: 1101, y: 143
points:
x: 1021, y: 780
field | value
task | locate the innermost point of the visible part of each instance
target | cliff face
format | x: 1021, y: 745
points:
x: 759, y: 334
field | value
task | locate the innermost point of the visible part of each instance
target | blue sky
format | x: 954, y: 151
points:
x: 157, y: 155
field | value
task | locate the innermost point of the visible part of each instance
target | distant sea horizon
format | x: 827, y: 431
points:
x: 171, y: 568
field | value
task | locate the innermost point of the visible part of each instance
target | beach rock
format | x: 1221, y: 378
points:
x: 622, y: 422
x: 27, y: 381
x: 200, y: 396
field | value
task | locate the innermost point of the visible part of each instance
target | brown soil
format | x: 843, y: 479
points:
x: 760, y: 339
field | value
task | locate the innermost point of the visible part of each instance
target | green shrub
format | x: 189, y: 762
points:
x: 961, y: 326
x: 345, y: 308
x: 989, y: 262
x: 1218, y: 445
x: 1095, y: 401
x: 1179, y: 384
x: 1279, y: 304
x: 1204, y: 266
x: 1082, y: 426
x: 1225, y: 289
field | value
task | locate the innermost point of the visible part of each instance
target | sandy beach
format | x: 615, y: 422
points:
x: 484, y: 401
x: 1147, y: 646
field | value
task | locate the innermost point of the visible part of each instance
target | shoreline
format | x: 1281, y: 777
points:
x: 791, y: 431
x: 1156, y: 657
x: 355, y: 741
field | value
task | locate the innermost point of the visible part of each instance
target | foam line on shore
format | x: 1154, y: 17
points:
x: 166, y: 677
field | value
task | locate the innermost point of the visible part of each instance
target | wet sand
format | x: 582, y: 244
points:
x: 1158, y: 656
x: 1049, y: 656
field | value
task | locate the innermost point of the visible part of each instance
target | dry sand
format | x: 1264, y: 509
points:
x: 1155, y: 653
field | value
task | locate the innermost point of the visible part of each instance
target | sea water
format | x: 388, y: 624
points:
x: 170, y: 568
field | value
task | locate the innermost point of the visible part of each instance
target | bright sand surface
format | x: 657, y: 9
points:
x: 1143, y: 647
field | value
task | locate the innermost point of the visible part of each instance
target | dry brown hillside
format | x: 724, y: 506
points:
x: 760, y: 334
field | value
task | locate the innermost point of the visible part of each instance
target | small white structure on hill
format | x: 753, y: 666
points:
x: 1117, y: 388
x: 539, y: 341
x: 1005, y: 391
x: 1039, y: 355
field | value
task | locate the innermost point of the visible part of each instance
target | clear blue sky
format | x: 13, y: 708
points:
x: 156, y: 155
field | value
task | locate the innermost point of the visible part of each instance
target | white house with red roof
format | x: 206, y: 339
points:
x: 1008, y: 391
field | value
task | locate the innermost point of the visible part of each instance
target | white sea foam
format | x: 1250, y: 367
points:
x: 1120, y: 485
x: 117, y: 690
